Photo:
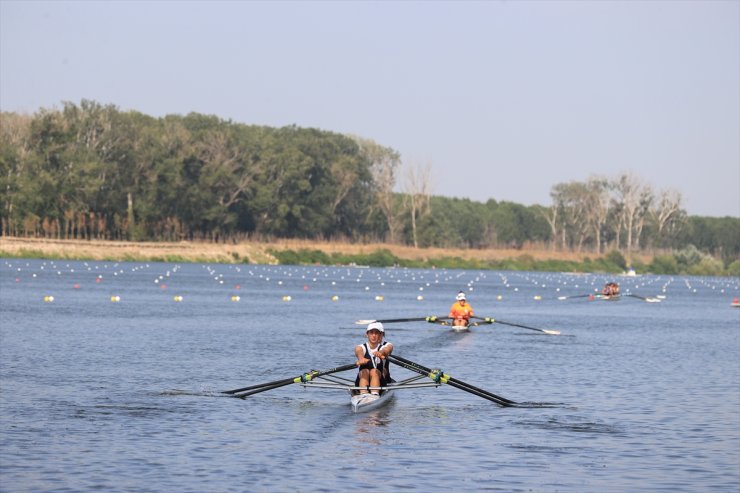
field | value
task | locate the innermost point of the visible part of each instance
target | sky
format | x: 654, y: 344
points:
x: 500, y: 99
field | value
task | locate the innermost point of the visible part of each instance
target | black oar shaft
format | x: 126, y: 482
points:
x: 259, y: 385
x: 444, y: 378
x: 255, y: 389
x: 456, y: 381
x: 243, y: 395
x: 430, y: 318
x: 497, y: 321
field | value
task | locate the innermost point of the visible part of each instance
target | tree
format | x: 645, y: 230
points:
x: 667, y: 215
x: 570, y: 198
x: 596, y: 207
x: 384, y: 163
x: 417, y: 189
x: 634, y: 198
x: 15, y: 158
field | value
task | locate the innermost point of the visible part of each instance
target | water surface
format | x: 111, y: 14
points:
x: 125, y: 395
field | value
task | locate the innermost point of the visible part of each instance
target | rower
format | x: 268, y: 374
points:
x: 371, y: 359
x: 610, y: 289
x: 461, y: 311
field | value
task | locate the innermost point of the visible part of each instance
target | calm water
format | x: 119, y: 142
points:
x: 123, y: 396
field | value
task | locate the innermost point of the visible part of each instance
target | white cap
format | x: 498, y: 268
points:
x: 460, y: 296
x: 375, y: 326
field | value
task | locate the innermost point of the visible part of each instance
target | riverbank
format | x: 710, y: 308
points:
x: 272, y: 253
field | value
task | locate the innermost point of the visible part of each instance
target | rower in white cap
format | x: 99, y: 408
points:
x: 371, y: 359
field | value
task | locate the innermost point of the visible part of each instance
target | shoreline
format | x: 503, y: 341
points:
x: 249, y: 251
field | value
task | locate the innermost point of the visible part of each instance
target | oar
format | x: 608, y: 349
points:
x: 490, y: 320
x: 254, y: 389
x: 431, y: 319
x: 441, y: 377
x: 649, y: 300
x: 576, y: 296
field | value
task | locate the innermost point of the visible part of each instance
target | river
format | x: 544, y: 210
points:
x: 111, y: 377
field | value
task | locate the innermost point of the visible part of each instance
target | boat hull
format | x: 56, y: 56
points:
x: 367, y: 402
x: 461, y: 328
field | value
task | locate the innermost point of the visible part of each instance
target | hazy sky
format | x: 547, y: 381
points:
x: 504, y: 99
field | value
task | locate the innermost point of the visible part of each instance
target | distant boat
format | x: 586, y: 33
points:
x: 605, y: 297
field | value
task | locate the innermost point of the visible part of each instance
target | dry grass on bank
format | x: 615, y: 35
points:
x: 252, y: 251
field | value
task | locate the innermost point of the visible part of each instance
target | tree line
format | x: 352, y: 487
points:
x: 92, y: 171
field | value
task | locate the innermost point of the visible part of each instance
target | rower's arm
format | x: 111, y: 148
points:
x: 360, y: 353
x: 386, y: 350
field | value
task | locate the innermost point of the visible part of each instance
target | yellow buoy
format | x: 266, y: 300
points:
x: 335, y: 298
x: 538, y: 297
x: 115, y: 299
x: 177, y: 298
x: 48, y: 299
x: 287, y: 298
x: 379, y: 298
x: 420, y: 298
x: 235, y: 298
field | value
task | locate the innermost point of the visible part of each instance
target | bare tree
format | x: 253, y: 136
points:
x: 385, y: 162
x: 666, y: 212
x: 596, y: 208
x: 553, y: 217
x: 418, y: 194
x: 635, y: 198
x: 570, y: 199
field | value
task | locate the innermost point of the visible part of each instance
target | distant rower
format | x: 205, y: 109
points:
x: 461, y: 311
